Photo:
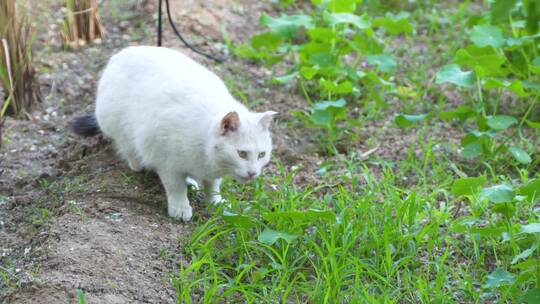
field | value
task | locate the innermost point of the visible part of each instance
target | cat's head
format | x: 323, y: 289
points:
x: 243, y: 144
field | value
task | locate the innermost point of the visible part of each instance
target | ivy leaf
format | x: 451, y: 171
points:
x: 501, y: 122
x: 361, y: 22
x: 404, y: 120
x: 453, y: 74
x: 487, y: 35
x: 499, y: 277
x: 270, y: 237
x: 498, y: 194
x: 385, y: 62
x: 286, y: 26
x: 395, y: 24
x: 520, y: 155
x: 468, y: 185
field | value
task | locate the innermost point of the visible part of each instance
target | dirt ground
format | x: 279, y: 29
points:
x: 74, y: 217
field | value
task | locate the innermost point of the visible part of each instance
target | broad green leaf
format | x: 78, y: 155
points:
x: 328, y: 86
x: 532, y: 296
x: 535, y: 66
x: 486, y: 58
x: 525, y: 254
x: 533, y: 124
x: 498, y: 194
x: 530, y: 228
x: 501, y: 122
x: 533, y: 15
x: 285, y: 78
x: 505, y: 209
x: 320, y: 118
x: 515, y: 86
x: 322, y: 59
x: 404, y: 120
x: 472, y: 149
x: 463, y: 224
x: 461, y: 112
x: 238, y: 220
x: 531, y: 190
x: 322, y: 34
x: 520, y: 155
x: 468, y: 185
x: 501, y: 9
x: 286, y: 26
x: 487, y: 35
x: 324, y: 105
x: 385, y: 62
x: 488, y: 231
x: 499, y: 277
x: 342, y: 6
x: 267, y: 41
x: 395, y: 24
x: 270, y: 237
x: 325, y: 112
x: 361, y: 22
x: 453, y: 74
x: 308, y: 72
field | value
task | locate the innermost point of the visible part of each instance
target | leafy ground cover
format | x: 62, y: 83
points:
x: 405, y: 167
x: 445, y: 223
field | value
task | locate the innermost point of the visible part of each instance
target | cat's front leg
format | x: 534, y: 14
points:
x: 176, y: 189
x: 211, y: 189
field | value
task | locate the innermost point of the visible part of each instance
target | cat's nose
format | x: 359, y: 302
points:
x: 251, y: 175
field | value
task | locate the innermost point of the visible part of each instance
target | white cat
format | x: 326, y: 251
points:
x: 167, y: 113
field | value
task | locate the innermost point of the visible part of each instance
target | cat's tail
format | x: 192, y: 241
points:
x: 85, y: 125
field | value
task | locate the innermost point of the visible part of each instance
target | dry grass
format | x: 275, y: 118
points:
x: 17, y: 74
x: 82, y: 23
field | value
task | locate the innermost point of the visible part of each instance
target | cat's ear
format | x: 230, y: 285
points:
x: 229, y: 123
x: 266, y: 119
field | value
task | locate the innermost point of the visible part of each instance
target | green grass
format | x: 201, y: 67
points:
x: 436, y: 225
x: 372, y: 239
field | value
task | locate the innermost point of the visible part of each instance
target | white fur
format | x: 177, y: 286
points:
x: 164, y: 112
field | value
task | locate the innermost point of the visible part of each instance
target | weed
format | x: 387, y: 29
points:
x: 82, y: 23
x: 17, y: 74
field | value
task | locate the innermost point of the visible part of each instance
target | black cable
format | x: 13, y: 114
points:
x: 171, y: 22
x: 159, y: 25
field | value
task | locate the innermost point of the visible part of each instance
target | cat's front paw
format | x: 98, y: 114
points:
x: 183, y: 213
x: 216, y: 199
x: 190, y: 182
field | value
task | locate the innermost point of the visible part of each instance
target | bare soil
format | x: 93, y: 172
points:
x: 72, y: 216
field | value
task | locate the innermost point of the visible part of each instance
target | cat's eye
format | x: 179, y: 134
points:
x: 262, y: 154
x: 243, y: 154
